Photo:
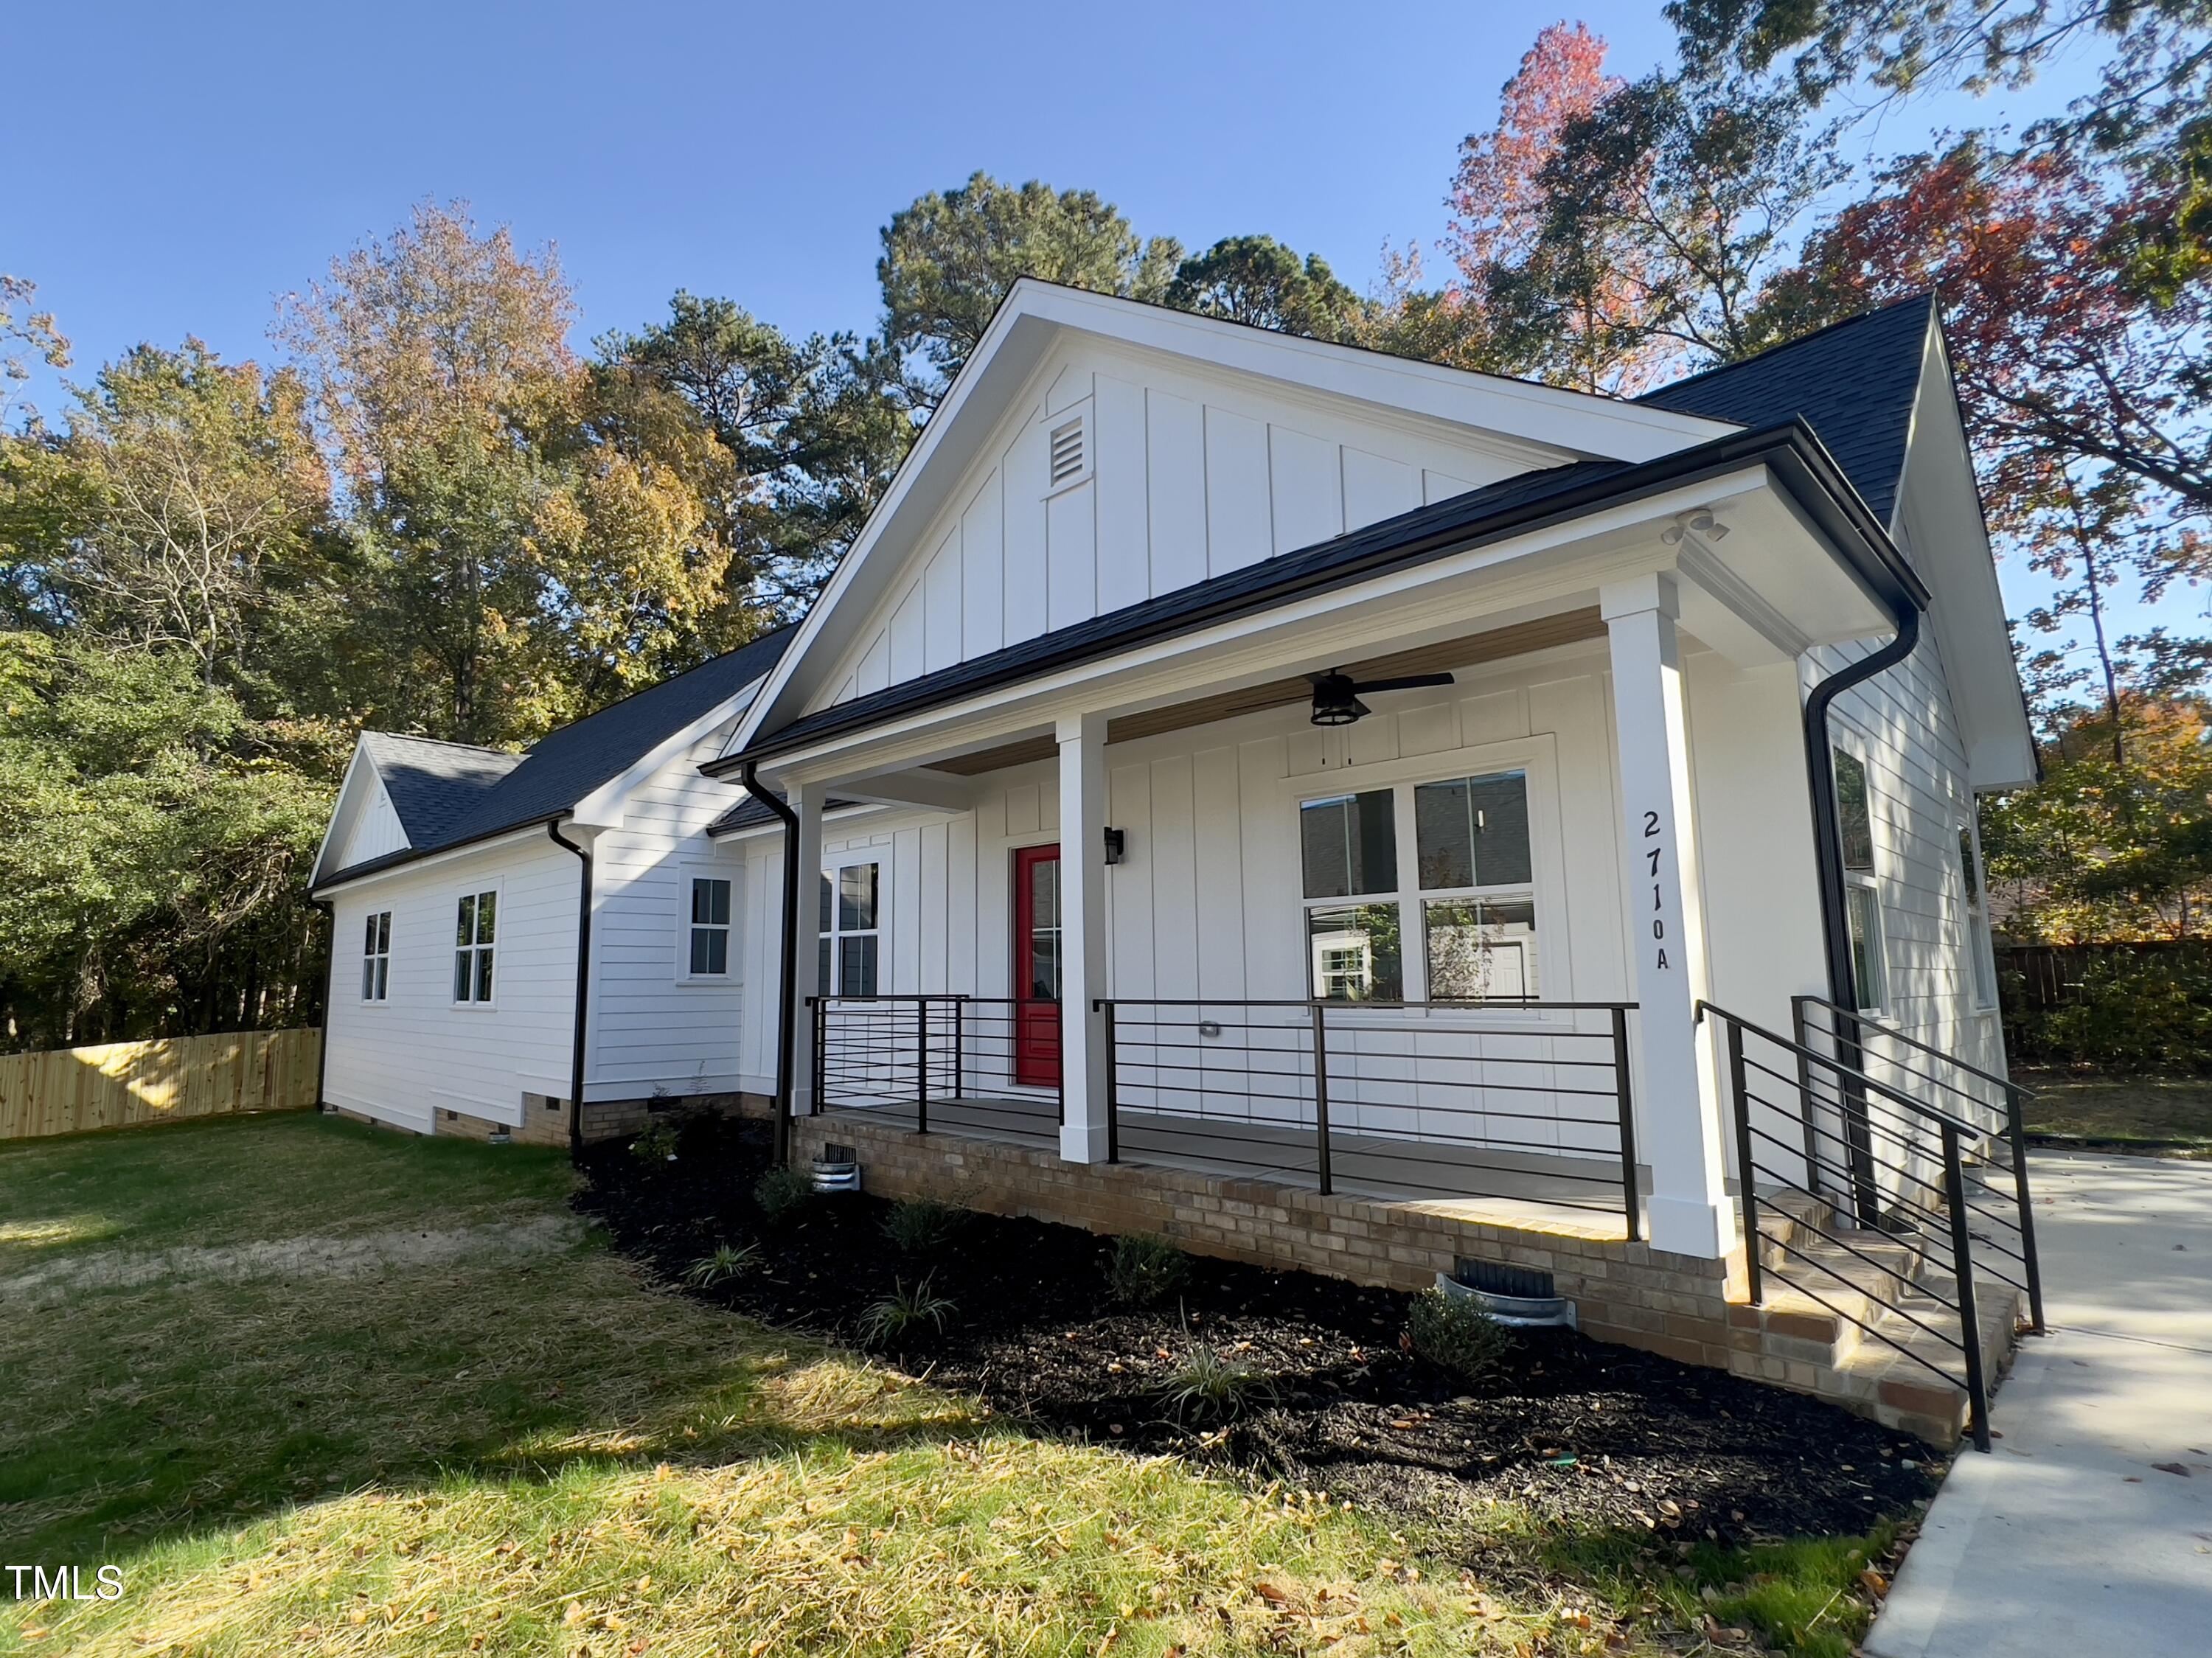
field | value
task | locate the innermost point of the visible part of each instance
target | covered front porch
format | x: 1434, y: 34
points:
x: 1434, y: 936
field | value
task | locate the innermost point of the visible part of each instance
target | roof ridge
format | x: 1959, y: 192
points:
x: 441, y: 742
x: 674, y: 678
x: 1925, y: 297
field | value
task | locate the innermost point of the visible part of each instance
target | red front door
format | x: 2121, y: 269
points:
x: 1036, y: 966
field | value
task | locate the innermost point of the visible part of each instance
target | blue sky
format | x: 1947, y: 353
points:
x: 179, y: 167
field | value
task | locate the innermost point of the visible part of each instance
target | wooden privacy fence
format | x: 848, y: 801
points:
x: 120, y: 1085
x: 2039, y: 979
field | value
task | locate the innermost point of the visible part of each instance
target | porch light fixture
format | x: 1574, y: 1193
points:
x: 1117, y: 842
x: 1701, y: 523
x: 1336, y: 693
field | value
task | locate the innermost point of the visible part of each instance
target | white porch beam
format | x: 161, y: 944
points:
x: 935, y: 791
x: 805, y: 850
x: 1082, y: 935
x: 1681, y: 1139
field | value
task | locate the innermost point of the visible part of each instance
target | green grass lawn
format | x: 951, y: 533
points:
x: 315, y: 1388
x: 2165, y: 1113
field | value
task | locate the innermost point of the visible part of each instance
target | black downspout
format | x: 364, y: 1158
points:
x: 583, y: 990
x: 1835, y: 918
x: 330, y: 908
x: 787, y: 1034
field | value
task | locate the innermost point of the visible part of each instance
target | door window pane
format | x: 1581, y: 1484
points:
x: 1473, y: 832
x: 1353, y: 952
x: 1481, y: 949
x: 1349, y: 845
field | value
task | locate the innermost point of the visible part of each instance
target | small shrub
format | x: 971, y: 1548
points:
x: 919, y: 1225
x: 781, y: 1191
x: 657, y: 1143
x: 903, y: 1310
x: 1145, y: 1269
x: 1208, y: 1386
x: 1458, y: 1333
x: 727, y: 1261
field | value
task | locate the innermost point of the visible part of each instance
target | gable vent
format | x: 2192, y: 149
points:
x: 1066, y: 451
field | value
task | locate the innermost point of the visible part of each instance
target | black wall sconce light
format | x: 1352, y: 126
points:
x: 1116, y: 844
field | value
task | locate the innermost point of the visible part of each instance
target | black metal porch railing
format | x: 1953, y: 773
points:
x: 1437, y: 1099
x: 1895, y: 1198
x: 1996, y: 1158
x: 977, y: 1063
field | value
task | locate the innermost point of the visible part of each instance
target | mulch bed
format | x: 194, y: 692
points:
x: 1578, y: 1431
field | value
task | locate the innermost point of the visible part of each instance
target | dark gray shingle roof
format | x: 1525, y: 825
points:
x: 1853, y: 384
x: 751, y: 811
x: 434, y: 786
x: 489, y: 792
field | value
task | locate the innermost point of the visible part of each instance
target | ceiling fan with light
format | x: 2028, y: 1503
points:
x: 1336, y: 694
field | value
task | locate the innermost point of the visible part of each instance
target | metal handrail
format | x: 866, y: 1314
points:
x: 1316, y: 1050
x: 1955, y: 1208
x: 1895, y: 1034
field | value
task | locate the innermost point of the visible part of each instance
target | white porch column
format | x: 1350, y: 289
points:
x: 805, y: 851
x: 1083, y: 935
x: 1682, y: 1140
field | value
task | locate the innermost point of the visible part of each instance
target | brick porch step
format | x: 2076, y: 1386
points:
x: 1864, y: 1325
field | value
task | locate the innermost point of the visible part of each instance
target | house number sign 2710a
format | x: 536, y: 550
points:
x: 1655, y: 850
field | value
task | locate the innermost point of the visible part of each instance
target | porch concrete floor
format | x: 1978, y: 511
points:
x: 1578, y: 1197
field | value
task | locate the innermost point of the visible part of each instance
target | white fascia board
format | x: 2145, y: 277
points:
x: 500, y: 842
x: 361, y: 774
x: 603, y: 808
x: 1952, y: 552
x: 1034, y: 312
x: 1338, y: 622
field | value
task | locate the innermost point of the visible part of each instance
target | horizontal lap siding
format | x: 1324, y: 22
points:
x: 418, y: 1053
x: 653, y: 1028
x: 1901, y: 723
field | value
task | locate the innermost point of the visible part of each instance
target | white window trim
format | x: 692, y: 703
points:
x: 497, y: 885
x: 833, y: 863
x: 1078, y: 412
x: 1872, y: 880
x: 1979, y: 941
x: 391, y: 919
x: 686, y: 872
x: 1537, y: 758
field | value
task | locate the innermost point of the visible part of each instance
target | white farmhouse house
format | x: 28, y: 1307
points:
x: 1329, y: 807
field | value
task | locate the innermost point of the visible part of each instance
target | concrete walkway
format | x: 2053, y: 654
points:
x: 2088, y: 1529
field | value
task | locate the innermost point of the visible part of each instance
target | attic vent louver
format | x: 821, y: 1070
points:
x: 1066, y: 451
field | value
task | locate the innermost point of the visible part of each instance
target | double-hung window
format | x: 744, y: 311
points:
x: 1862, y: 890
x: 474, y: 927
x: 1472, y: 895
x: 376, y: 958
x: 1978, y: 948
x: 708, y: 953
x: 851, y: 931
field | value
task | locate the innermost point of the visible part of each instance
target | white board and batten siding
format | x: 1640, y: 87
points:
x: 1183, y: 478
x: 418, y: 1051
x: 1207, y: 901
x: 654, y: 1027
x: 376, y: 834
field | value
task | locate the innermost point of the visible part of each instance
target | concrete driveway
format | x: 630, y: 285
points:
x: 2088, y: 1529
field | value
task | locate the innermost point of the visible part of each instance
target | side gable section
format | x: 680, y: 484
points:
x: 1119, y: 475
x: 364, y: 823
x: 1939, y: 525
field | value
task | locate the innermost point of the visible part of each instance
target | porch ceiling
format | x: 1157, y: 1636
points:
x: 1568, y: 628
